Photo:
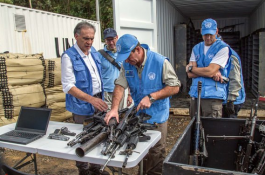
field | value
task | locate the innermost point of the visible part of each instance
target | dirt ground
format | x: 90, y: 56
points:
x: 55, y: 166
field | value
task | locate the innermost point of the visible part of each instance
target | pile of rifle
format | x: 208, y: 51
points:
x: 129, y: 130
x: 250, y: 154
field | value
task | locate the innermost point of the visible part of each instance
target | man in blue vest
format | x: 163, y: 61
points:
x: 110, y: 68
x: 81, y: 80
x: 208, y: 58
x: 152, y: 80
x: 235, y: 89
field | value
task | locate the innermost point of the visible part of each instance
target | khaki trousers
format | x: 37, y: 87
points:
x: 209, y: 107
x: 79, y: 119
x: 108, y: 100
x: 153, y: 161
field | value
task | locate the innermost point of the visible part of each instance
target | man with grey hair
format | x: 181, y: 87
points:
x: 82, y: 83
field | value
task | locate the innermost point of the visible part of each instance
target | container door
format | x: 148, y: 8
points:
x: 136, y: 17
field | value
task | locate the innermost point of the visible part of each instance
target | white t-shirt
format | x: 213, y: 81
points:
x: 68, y: 77
x: 220, y: 57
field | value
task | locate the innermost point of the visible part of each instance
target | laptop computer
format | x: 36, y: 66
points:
x: 32, y: 124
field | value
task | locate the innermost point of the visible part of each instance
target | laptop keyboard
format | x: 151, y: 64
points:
x: 21, y: 134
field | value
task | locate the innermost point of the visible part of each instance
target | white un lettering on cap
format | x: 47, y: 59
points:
x: 208, y: 25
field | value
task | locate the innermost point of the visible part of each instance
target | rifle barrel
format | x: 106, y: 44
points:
x: 82, y: 150
x: 110, y: 157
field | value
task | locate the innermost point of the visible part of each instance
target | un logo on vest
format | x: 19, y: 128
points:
x: 210, y: 56
x: 151, y: 76
x: 118, y: 47
x: 208, y: 25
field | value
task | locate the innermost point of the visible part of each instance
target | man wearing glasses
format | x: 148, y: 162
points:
x: 82, y: 83
x: 110, y: 68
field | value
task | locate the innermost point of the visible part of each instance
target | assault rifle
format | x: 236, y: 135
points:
x: 93, y: 134
x: 90, y: 130
x: 257, y: 161
x: 129, y: 129
x: 113, y: 135
x: 129, y: 149
x: 95, y: 126
x: 245, y: 159
x: 199, y: 150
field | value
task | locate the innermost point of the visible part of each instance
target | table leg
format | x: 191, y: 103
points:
x: 141, y: 167
x: 35, y: 164
x: 33, y: 160
x: 120, y: 171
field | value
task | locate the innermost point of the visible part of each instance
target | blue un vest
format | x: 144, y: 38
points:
x: 151, y: 81
x: 109, y: 72
x: 242, y: 95
x: 83, y: 82
x: 210, y: 88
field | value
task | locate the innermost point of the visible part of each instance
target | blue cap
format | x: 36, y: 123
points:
x: 209, y: 26
x: 124, y: 46
x: 109, y: 32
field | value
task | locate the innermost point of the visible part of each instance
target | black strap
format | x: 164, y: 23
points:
x: 109, y: 58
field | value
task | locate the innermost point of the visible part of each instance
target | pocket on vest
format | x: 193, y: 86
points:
x: 213, y: 92
x: 81, y: 81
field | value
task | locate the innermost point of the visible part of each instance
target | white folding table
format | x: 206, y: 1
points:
x: 59, y: 149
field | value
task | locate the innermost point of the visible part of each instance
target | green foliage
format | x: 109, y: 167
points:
x: 106, y: 14
x: 79, y: 8
x: 7, y: 1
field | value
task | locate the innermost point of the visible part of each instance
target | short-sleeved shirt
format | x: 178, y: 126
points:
x: 220, y: 58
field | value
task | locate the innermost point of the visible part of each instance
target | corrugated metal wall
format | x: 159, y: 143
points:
x: 222, y: 22
x: 41, y: 30
x: 167, y: 18
x: 257, y: 18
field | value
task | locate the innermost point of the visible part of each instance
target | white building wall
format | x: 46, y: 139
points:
x: 167, y: 17
x: 222, y: 22
x: 136, y: 17
x: 257, y: 18
x: 41, y: 30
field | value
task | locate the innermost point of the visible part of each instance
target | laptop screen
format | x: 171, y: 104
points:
x: 33, y: 119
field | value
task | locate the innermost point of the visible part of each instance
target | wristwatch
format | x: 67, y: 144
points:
x: 190, y: 68
x: 152, y: 100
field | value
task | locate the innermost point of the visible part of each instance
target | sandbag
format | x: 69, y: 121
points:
x: 54, y: 94
x: 21, y: 56
x: 17, y: 96
x: 53, y: 72
x: 5, y: 121
x: 21, y: 69
x: 59, y: 113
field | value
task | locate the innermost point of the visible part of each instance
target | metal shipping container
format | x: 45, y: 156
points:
x: 25, y: 30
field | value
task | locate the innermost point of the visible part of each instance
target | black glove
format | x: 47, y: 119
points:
x: 230, y: 108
